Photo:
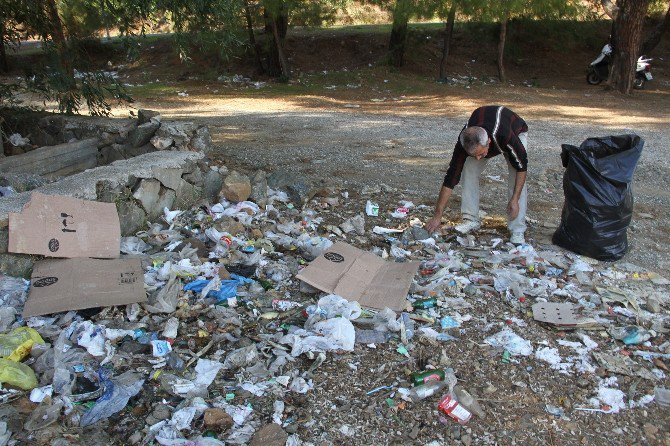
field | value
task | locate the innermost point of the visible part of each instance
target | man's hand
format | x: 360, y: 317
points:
x: 513, y: 208
x: 433, y: 224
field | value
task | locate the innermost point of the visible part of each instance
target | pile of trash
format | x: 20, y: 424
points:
x: 229, y: 342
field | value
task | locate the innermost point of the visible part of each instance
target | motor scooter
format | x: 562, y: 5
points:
x: 599, y: 69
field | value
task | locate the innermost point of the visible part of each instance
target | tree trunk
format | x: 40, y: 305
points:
x: 4, y: 66
x: 501, y: 48
x: 448, y: 32
x: 629, y: 21
x: 399, y: 33
x: 58, y: 36
x: 656, y: 34
x: 279, y: 42
x: 252, y: 38
x: 276, y: 25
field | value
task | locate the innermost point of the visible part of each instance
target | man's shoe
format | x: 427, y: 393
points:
x: 517, y: 238
x: 467, y: 226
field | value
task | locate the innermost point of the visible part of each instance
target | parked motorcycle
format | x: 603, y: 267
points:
x: 600, y: 67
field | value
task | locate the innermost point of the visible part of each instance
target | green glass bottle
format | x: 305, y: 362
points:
x: 427, y: 376
x: 425, y: 303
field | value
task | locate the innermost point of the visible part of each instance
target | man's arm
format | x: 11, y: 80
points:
x: 513, y: 205
x: 441, y: 204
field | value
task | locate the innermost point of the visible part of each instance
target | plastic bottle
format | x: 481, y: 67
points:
x: 419, y: 393
x: 450, y: 406
x: 406, y: 327
x: 468, y: 401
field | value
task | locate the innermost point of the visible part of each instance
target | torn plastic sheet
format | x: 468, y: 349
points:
x: 553, y: 358
x: 511, y: 342
x: 239, y: 211
x: 239, y: 413
x: 165, y: 300
x: 206, y: 371
x: 241, y: 357
x: 133, y: 245
x: 118, y: 390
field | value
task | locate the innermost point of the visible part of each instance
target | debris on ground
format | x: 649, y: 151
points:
x: 231, y: 347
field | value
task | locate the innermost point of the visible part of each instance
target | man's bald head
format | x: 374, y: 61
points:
x: 473, y: 138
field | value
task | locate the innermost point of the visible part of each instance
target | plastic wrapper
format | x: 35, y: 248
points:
x: 17, y: 374
x: 16, y: 344
x: 598, y: 196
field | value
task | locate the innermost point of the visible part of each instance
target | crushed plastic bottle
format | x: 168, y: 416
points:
x: 372, y: 337
x: 118, y: 391
x: 406, y: 328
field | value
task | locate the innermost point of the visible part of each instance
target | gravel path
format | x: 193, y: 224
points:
x: 410, y: 153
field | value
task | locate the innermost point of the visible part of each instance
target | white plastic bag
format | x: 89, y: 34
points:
x: 511, y: 342
x: 339, y: 331
x: 333, y: 305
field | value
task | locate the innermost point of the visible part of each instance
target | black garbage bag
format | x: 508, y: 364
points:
x: 598, y: 196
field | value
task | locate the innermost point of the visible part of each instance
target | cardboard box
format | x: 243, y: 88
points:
x: 58, y: 226
x: 361, y: 276
x: 76, y: 284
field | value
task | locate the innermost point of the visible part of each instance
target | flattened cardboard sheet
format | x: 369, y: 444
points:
x: 361, y: 276
x: 562, y: 316
x: 58, y: 226
x: 76, y: 284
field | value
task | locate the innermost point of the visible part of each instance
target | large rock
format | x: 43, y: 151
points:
x: 162, y: 142
x: 269, y: 435
x: 154, y: 198
x: 131, y: 216
x: 16, y: 265
x: 142, y: 134
x: 144, y: 116
x: 111, y: 153
x: 298, y: 190
x: 259, y: 188
x: 213, y: 182
x: 180, y: 132
x: 217, y: 419
x: 236, y: 187
x: 202, y: 141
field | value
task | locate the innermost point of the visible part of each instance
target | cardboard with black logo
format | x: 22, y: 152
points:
x: 59, y: 226
x: 361, y: 276
x: 76, y: 284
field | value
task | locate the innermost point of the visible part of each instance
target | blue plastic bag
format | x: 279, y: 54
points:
x: 227, y: 291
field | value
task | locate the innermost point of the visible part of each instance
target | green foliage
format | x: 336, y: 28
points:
x: 54, y: 79
x: 82, y: 18
x: 94, y: 90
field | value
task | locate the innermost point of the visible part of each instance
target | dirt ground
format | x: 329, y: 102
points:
x: 374, y: 126
x: 406, y: 142
x: 354, y: 126
x: 348, y: 119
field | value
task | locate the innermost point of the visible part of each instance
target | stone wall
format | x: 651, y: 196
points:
x: 142, y: 165
x: 108, y: 140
